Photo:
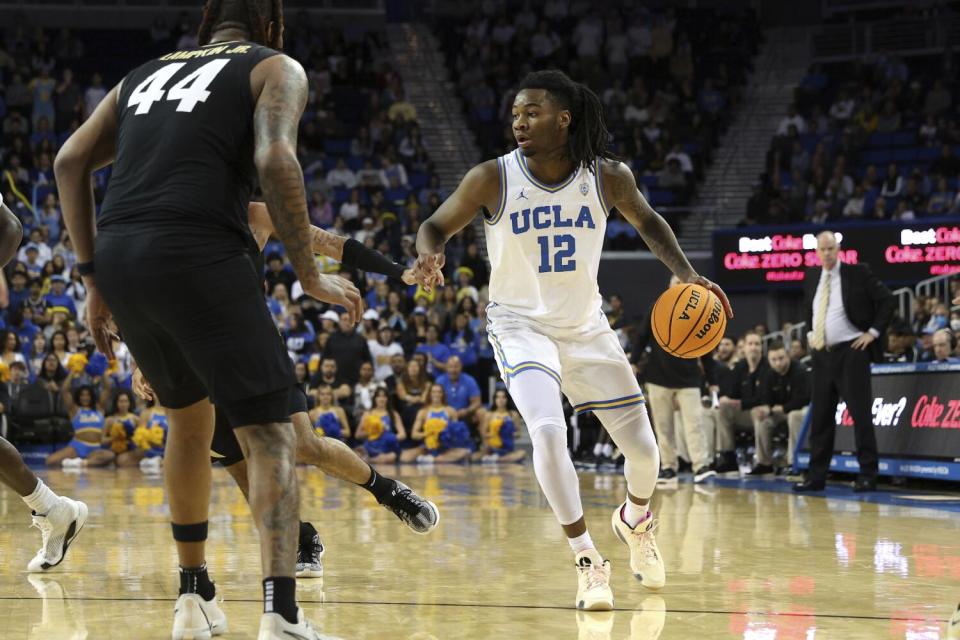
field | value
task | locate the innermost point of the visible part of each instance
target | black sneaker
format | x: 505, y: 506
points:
x: 308, y: 558
x: 703, y: 473
x: 760, y: 470
x: 668, y: 478
x: 726, y: 462
x: 420, y: 515
x: 683, y: 466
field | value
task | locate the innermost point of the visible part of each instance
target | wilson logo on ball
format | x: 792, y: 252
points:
x: 688, y: 321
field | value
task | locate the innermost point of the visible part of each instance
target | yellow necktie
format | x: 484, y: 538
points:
x: 820, y: 322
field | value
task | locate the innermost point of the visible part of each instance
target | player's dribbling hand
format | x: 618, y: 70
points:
x: 408, y: 278
x: 712, y: 286
x: 140, y: 385
x: 339, y: 291
x: 100, y: 322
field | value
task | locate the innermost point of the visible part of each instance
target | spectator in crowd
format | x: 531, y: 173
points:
x: 436, y: 352
x: 785, y: 393
x: 348, y: 348
x: 499, y: 430
x: 11, y: 349
x: 413, y: 388
x: 382, y: 430
x: 327, y: 417
x: 462, y: 393
x: 944, y: 344
x: 736, y: 401
x: 364, y: 389
x: 383, y: 350
x: 11, y: 389
x: 901, y: 343
x: 328, y: 376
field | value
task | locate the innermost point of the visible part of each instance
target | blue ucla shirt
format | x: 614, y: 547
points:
x: 459, y: 392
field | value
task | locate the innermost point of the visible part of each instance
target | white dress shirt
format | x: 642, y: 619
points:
x: 839, y: 328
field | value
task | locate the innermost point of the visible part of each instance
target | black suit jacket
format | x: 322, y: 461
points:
x: 867, y: 302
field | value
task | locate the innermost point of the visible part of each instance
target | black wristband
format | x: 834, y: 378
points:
x: 86, y: 268
x: 357, y: 255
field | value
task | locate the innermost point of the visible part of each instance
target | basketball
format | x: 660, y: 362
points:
x: 688, y: 320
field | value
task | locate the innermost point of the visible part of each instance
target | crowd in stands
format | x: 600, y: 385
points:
x: 877, y: 139
x: 669, y: 80
x: 367, y: 175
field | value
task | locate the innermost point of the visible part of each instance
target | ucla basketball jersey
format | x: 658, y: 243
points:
x: 544, y: 244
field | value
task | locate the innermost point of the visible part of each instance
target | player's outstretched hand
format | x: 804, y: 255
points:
x: 408, y: 278
x: 100, y: 322
x: 713, y: 286
x: 428, y: 270
x: 140, y: 385
x: 339, y: 291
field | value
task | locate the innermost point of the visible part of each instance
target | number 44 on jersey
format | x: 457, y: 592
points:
x: 189, y: 91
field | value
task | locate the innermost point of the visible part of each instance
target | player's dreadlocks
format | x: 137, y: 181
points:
x: 588, y: 135
x: 252, y: 16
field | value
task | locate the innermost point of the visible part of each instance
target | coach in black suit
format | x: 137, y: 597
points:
x: 848, y: 309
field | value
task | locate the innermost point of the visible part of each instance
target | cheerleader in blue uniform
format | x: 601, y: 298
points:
x: 499, y: 428
x: 86, y: 449
x: 328, y: 419
x: 119, y: 428
x: 382, y: 430
x: 444, y: 438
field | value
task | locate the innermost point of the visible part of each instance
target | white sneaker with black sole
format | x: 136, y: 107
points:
x: 274, y: 626
x: 703, y: 473
x: 197, y: 619
x: 593, y: 582
x: 308, y: 558
x: 58, y: 529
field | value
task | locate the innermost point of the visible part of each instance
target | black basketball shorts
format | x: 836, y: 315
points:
x: 225, y: 447
x: 199, y: 332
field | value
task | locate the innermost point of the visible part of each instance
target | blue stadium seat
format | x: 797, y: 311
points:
x: 904, y: 155
x: 879, y: 157
x: 928, y: 153
x: 661, y: 197
x: 903, y: 138
x: 341, y: 195
x: 355, y: 163
x: 336, y: 146
x: 880, y: 140
x: 418, y: 180
x: 649, y: 180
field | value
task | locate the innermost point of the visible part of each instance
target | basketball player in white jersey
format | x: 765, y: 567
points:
x: 546, y: 208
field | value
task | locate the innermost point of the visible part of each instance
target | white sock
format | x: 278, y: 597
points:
x: 581, y: 543
x: 633, y: 514
x: 597, y: 449
x: 42, y: 499
x: 608, y: 450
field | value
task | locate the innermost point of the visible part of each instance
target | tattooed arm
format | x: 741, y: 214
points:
x: 322, y: 242
x: 280, y: 85
x: 621, y: 193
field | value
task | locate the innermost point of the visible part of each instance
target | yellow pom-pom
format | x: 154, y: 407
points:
x: 4, y: 372
x: 493, y: 432
x: 373, y: 426
x: 156, y: 435
x: 313, y: 364
x: 76, y: 362
x: 141, y: 438
x: 432, y: 429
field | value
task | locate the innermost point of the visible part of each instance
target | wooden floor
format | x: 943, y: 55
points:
x: 741, y: 563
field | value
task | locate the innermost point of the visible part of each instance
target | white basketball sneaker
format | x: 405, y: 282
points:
x: 273, y: 626
x: 58, y: 529
x: 197, y: 619
x: 646, y: 563
x: 593, y: 582
x: 953, y: 627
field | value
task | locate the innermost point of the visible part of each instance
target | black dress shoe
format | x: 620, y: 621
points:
x: 863, y: 485
x: 809, y: 485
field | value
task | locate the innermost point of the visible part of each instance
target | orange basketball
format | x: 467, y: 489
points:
x: 688, y: 320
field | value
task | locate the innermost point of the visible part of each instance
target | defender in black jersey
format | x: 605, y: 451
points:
x: 189, y: 132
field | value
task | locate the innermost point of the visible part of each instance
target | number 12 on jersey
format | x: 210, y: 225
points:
x: 566, y: 246
x: 189, y: 92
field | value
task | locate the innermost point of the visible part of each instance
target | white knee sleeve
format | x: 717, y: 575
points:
x: 631, y: 430
x: 538, y: 400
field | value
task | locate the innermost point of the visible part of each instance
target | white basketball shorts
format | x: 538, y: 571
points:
x: 588, y: 362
